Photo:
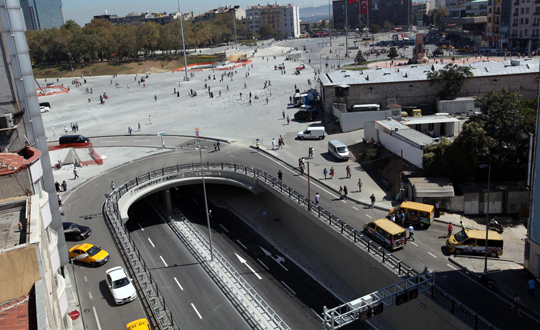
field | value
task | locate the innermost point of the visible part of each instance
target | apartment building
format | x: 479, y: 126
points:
x: 139, y: 18
x: 285, y: 20
x: 525, y: 24
x: 239, y: 13
x: 397, y: 12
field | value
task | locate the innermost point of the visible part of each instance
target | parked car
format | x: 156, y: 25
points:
x: 306, y: 113
x: 89, y: 254
x: 120, y: 285
x: 75, y: 232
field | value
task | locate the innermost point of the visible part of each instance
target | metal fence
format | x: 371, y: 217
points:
x: 353, y: 235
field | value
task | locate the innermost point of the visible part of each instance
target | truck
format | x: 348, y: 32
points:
x: 305, y: 98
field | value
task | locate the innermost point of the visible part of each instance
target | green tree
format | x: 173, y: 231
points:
x: 393, y: 53
x: 387, y: 25
x: 452, y: 77
x: 266, y: 31
x: 438, y: 15
x: 324, y: 24
x: 360, y: 59
x: 374, y: 28
x: 438, y: 52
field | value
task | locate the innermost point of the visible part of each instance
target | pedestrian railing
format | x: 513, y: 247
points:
x: 355, y: 236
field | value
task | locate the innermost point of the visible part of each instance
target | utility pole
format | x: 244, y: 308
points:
x: 346, y: 31
x: 330, y: 20
x: 234, y: 23
x: 308, y: 189
x: 183, y: 41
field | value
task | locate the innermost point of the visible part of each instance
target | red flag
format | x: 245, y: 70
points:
x: 403, y: 35
x: 364, y: 7
x: 352, y: 1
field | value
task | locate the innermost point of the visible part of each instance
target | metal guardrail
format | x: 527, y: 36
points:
x: 347, y: 231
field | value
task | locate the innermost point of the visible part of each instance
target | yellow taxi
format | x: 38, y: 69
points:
x: 140, y: 324
x: 89, y: 253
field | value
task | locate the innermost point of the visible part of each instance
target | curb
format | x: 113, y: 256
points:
x: 318, y: 181
x: 171, y: 135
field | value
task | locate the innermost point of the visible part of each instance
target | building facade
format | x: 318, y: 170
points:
x: 525, y: 25
x: 500, y: 23
x: 42, y: 14
x: 397, y: 12
x: 32, y: 246
x: 419, y: 9
x: 467, y: 21
x: 239, y: 13
x: 285, y: 20
x: 139, y: 18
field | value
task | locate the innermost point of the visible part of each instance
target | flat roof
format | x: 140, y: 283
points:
x: 432, y: 187
x: 428, y: 120
x: 405, y: 132
x: 418, y: 72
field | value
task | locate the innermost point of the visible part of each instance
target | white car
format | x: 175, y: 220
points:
x: 44, y: 109
x: 120, y: 285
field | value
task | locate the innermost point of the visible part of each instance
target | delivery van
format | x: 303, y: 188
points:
x: 415, y: 213
x: 387, y: 233
x: 474, y: 242
x: 338, y: 149
x: 312, y: 133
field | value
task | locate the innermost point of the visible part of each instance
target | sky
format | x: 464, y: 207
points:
x: 82, y: 11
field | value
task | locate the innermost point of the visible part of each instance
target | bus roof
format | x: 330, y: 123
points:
x: 390, y: 226
x: 481, y: 234
x: 417, y: 206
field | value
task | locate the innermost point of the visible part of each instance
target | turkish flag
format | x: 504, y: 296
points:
x: 403, y: 35
x: 352, y: 1
x: 364, y: 7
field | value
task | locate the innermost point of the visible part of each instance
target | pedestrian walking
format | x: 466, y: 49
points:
x: 372, y: 198
x: 280, y: 175
x: 403, y: 219
x: 150, y: 120
x: 517, y: 302
x: 57, y: 185
x: 76, y: 127
x: 288, y: 121
x: 463, y: 227
x: 411, y: 232
x: 532, y: 286
x: 450, y: 229
x: 317, y: 199
x: 273, y: 144
x: 332, y: 172
x: 218, y: 145
x: 64, y: 185
x: 393, y: 217
x: 348, y: 169
x: 129, y: 130
x: 345, y: 192
x: 155, y: 98
x: 139, y: 124
x: 162, y: 144
x: 65, y: 129
x: 283, y: 113
x: 359, y: 185
x: 437, y: 210
x: 112, y: 185
x: 340, y: 192
x: 325, y: 172
x: 75, y: 173
x: 60, y: 201
x: 215, y: 147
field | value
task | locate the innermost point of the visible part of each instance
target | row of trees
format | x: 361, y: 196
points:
x: 101, y: 39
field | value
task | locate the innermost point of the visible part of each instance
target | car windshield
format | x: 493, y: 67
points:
x: 399, y: 235
x: 342, y: 149
x: 120, y: 283
x: 461, y: 236
x: 93, y: 251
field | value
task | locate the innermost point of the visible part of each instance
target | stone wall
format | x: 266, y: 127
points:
x: 416, y: 93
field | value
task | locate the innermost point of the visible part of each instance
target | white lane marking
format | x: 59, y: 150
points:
x: 151, y: 242
x: 344, y: 201
x: 245, y: 248
x: 196, y: 311
x: 181, y: 288
x: 85, y: 279
x: 164, y: 261
x: 431, y: 254
x: 355, y: 208
x: 90, y: 295
x: 244, y: 262
x: 413, y: 243
x: 97, y: 320
x: 195, y: 201
x: 141, y: 140
x: 369, y: 216
x: 262, y: 263
x: 140, y: 226
x: 107, y: 141
x: 454, y: 268
x: 288, y: 288
x: 296, y: 172
x: 223, y: 227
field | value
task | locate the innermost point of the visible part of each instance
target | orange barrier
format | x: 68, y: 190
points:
x: 51, y: 90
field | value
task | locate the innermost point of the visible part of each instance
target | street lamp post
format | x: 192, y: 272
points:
x: 206, y: 206
x: 234, y: 23
x: 487, y: 220
x: 183, y: 41
x: 330, y: 21
x: 71, y: 64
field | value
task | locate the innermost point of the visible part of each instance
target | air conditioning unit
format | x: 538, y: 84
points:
x: 6, y: 121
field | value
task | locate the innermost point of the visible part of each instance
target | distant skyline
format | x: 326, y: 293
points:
x: 82, y: 12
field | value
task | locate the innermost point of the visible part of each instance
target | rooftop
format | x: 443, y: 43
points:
x: 12, y: 211
x: 11, y: 163
x: 435, y: 119
x: 418, y: 72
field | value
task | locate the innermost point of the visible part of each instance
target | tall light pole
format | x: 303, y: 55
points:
x: 183, y: 42
x: 346, y: 31
x: 330, y: 21
x: 71, y: 64
x: 234, y: 23
x: 487, y: 220
x: 206, y: 206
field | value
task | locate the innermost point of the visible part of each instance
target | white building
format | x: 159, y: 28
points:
x: 285, y: 20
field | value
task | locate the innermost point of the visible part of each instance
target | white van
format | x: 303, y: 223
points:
x: 339, y: 150
x: 312, y: 133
